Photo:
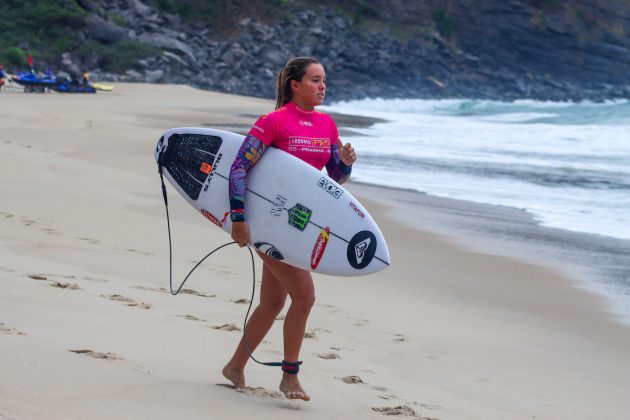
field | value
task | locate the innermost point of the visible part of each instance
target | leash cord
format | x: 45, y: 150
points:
x: 170, y: 277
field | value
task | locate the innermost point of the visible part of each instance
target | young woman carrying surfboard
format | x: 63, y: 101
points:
x: 297, y: 128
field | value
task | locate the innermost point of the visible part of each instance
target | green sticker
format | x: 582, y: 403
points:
x: 299, y: 216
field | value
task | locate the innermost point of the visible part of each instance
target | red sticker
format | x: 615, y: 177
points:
x: 211, y: 217
x: 320, y: 247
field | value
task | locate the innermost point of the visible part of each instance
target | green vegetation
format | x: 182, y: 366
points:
x: 47, y: 29
x: 443, y: 23
x: 119, y: 56
x: 13, y: 57
x: 38, y: 27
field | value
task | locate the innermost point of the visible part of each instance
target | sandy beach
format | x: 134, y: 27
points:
x: 88, y: 329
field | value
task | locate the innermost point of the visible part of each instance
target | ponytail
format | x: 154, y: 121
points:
x: 295, y: 69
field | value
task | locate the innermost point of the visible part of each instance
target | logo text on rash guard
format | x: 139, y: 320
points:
x: 320, y: 247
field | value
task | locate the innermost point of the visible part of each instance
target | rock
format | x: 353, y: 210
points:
x: 162, y: 41
x: 133, y: 76
x: 153, y: 76
x: 68, y: 65
x: 139, y: 8
x: 103, y: 30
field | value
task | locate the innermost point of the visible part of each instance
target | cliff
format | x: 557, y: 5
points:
x: 496, y: 49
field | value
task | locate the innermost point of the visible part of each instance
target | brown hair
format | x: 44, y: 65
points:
x: 295, y: 69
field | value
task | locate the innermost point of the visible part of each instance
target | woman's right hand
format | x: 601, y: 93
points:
x: 240, y: 233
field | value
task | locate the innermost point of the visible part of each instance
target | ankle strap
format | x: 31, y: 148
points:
x: 291, y: 367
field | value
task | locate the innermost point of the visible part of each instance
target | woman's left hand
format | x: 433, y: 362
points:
x: 347, y: 154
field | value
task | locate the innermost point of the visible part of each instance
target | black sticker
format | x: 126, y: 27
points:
x: 299, y: 216
x: 269, y: 250
x: 361, y: 249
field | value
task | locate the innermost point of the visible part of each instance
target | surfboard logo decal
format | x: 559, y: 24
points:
x: 205, y: 168
x: 270, y: 250
x: 211, y: 217
x: 320, y: 247
x: 278, y: 205
x: 361, y: 249
x: 299, y: 216
x: 356, y: 209
x: 329, y: 187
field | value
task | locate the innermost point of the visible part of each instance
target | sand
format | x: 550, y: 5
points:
x: 88, y: 329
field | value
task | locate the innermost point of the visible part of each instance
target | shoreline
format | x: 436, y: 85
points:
x: 593, y: 262
x: 448, y: 331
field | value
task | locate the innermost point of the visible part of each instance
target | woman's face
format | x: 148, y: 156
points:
x: 310, y: 91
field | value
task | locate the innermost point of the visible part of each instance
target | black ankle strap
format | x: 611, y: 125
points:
x: 291, y: 367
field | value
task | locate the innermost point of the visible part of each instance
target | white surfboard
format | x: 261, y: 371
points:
x: 295, y: 213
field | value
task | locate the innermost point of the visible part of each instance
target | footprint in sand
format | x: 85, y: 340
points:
x: 69, y: 286
x: 260, y: 392
x: 196, y: 293
x: 399, y: 338
x: 309, y: 335
x: 192, y: 318
x: 352, y: 379
x: 97, y: 355
x: 226, y: 327
x: 37, y: 277
x: 137, y: 252
x: 328, y: 356
x: 28, y: 222
x: 4, y: 329
x: 242, y: 301
x: 119, y: 298
x: 91, y: 241
x: 128, y: 301
x: 401, y: 410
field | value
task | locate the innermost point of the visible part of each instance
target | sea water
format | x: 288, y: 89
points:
x: 566, y: 163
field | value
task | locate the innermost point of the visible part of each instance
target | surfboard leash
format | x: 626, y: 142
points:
x: 170, y: 277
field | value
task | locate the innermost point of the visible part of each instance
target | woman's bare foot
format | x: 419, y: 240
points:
x: 234, y: 375
x: 291, y: 388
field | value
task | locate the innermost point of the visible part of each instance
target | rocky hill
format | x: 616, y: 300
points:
x: 497, y: 49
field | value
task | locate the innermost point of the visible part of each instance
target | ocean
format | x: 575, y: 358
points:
x: 567, y: 164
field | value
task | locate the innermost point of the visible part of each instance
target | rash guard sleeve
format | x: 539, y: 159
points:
x: 250, y: 152
x: 337, y: 170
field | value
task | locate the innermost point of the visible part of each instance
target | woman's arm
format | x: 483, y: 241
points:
x: 339, y: 165
x: 251, y: 150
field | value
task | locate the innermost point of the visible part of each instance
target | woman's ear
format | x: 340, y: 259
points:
x: 294, y: 84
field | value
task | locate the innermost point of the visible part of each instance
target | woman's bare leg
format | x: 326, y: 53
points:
x: 272, y: 298
x: 299, y: 284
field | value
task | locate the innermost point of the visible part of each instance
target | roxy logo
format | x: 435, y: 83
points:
x: 329, y: 187
x: 306, y: 123
x: 361, y: 249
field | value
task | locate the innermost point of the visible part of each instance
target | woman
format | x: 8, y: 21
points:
x: 297, y: 128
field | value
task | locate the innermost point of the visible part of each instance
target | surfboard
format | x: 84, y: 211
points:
x: 296, y: 214
x: 103, y: 87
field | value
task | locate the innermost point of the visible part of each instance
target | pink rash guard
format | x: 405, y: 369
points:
x: 307, y: 135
